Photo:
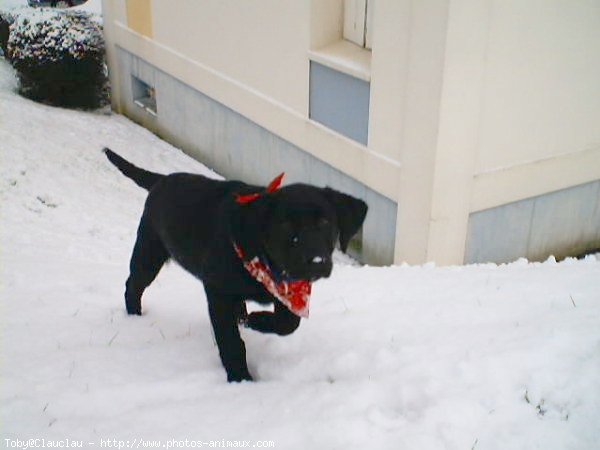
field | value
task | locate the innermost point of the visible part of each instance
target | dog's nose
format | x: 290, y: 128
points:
x: 319, y: 267
x: 319, y: 259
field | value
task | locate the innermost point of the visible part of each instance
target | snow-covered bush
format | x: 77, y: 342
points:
x: 59, y: 57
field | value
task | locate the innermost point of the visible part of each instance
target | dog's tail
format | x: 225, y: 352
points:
x: 141, y: 177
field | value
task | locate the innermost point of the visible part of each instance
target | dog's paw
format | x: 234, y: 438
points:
x: 134, y: 312
x: 239, y: 377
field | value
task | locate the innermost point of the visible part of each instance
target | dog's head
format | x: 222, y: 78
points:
x: 300, y: 226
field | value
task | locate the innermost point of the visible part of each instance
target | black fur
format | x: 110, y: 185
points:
x: 141, y: 177
x: 195, y: 221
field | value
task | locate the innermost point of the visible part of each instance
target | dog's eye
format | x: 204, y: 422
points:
x: 323, y: 222
x: 295, y: 240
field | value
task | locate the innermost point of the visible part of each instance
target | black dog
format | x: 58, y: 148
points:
x: 244, y: 242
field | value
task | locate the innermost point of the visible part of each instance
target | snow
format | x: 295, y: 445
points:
x: 13, y: 4
x: 404, y: 357
x: 51, y: 34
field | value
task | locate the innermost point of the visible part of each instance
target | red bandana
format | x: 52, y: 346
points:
x: 272, y: 187
x: 295, y: 295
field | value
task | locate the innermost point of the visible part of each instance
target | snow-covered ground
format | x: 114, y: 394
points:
x: 476, y: 357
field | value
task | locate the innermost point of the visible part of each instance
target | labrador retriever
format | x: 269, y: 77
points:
x: 243, y: 242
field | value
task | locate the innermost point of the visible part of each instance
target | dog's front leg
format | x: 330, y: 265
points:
x: 282, y: 321
x: 222, y: 310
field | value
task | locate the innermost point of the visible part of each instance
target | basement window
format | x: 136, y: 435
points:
x: 144, y: 96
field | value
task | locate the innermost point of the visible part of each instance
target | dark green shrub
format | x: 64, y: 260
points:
x: 59, y: 56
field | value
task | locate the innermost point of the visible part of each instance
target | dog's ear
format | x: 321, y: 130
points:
x: 350, y: 211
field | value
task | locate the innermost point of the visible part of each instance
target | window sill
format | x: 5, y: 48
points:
x: 146, y: 104
x: 346, y: 57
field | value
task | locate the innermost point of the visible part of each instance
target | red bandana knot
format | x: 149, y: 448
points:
x: 272, y: 187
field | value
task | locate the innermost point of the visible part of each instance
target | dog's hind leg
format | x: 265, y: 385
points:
x: 148, y: 257
x: 282, y: 321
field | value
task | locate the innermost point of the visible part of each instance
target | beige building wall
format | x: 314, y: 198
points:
x: 139, y: 16
x: 474, y: 103
x: 519, y: 112
x: 260, y: 44
x: 541, y: 94
x: 540, y: 104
